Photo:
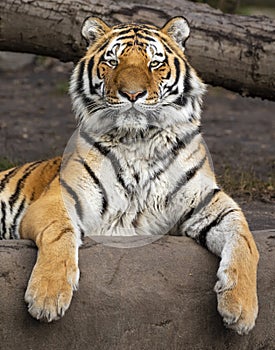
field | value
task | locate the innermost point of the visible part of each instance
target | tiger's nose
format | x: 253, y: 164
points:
x: 132, y: 95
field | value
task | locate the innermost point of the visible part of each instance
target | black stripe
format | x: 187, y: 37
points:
x: 148, y: 31
x: 192, y: 172
x: 75, y: 197
x: 171, y: 154
x: 87, y: 101
x: 176, y: 148
x: 126, y: 36
x: 207, y: 199
x: 167, y: 48
x: 98, y: 183
x: 82, y: 233
x: 146, y: 37
x: 176, y: 230
x: 101, y: 58
x: 187, y: 83
x: 90, y: 104
x: 47, y: 165
x: 177, y: 67
x: 91, y: 142
x: 114, y: 161
x: 164, y: 42
x: 18, y: 213
x: 122, y: 32
x: 3, y: 220
x: 124, y: 29
x: 181, y: 100
x: 185, y: 141
x: 188, y: 214
x: 90, y: 68
x: 102, y: 47
x: 21, y: 182
x: 79, y: 85
x: 7, y: 177
x: 126, y: 48
x: 56, y: 161
x: 32, y: 195
x: 136, y: 219
x: 185, y: 178
x: 106, y: 153
x: 202, y: 236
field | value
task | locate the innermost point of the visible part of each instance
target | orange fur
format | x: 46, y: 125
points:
x: 35, y: 191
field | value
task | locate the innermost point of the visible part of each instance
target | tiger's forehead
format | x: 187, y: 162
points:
x: 135, y: 26
x: 143, y: 37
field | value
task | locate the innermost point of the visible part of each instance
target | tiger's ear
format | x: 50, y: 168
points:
x: 93, y: 28
x: 178, y: 29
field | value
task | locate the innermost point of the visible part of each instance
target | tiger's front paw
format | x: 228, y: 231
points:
x: 237, y: 299
x: 50, y: 289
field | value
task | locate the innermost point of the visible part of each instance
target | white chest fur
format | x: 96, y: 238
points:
x: 135, y: 186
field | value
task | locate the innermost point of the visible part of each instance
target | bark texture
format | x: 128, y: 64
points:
x: 232, y: 51
x: 159, y: 296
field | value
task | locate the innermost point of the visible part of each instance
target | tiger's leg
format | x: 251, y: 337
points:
x: 55, y: 275
x: 224, y: 231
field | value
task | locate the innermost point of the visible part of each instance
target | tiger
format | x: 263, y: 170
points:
x: 137, y: 165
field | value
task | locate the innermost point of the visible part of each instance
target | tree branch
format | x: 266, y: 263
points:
x: 232, y: 51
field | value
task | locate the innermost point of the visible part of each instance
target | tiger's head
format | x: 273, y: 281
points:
x: 135, y: 75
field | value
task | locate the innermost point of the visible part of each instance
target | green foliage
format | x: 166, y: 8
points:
x: 5, y: 163
x: 258, y: 3
x: 62, y: 88
x: 229, y: 6
x: 245, y: 7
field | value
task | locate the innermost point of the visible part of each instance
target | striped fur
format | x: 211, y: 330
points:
x: 136, y: 165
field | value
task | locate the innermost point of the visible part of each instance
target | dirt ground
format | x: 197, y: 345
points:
x: 36, y: 122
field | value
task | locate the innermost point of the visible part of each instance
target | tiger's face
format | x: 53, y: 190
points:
x: 132, y: 73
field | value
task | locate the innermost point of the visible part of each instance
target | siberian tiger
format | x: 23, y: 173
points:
x: 138, y: 166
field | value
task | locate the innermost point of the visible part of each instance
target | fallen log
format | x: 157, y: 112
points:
x: 235, y: 52
x: 158, y: 296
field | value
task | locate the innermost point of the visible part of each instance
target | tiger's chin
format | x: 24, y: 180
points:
x: 120, y: 119
x: 132, y: 120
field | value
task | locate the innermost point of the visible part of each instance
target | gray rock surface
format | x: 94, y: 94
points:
x: 159, y: 296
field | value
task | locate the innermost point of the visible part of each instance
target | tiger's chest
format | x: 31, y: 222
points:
x: 143, y: 189
x: 137, y: 201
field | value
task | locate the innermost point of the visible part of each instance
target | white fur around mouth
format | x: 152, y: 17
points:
x: 132, y: 119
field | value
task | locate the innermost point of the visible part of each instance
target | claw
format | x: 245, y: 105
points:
x: 49, y: 298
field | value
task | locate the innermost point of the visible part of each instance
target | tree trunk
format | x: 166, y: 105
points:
x: 159, y: 296
x: 232, y: 51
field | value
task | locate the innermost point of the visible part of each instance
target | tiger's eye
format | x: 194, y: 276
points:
x: 154, y: 64
x: 113, y: 63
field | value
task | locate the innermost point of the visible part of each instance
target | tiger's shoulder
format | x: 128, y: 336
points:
x: 19, y: 187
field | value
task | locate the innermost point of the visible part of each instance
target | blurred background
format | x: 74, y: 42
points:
x: 243, y: 7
